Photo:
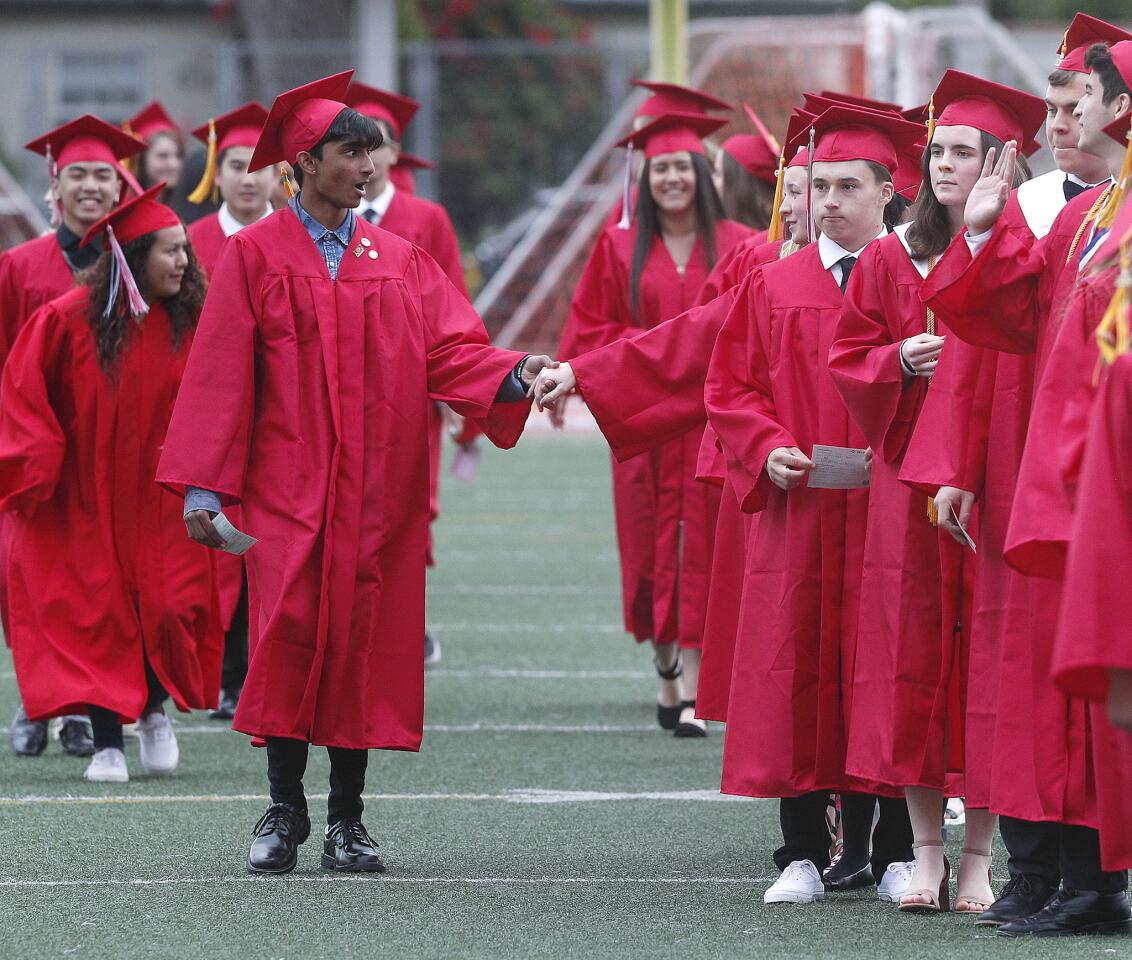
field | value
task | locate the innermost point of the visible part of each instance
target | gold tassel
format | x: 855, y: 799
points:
x: 931, y: 119
x: 207, y: 185
x: 286, y: 181
x: 1064, y: 48
x: 1107, y: 217
x: 130, y: 163
x: 1112, y: 334
x: 1089, y: 218
x: 774, y: 231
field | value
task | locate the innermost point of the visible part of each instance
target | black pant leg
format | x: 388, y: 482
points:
x: 1081, y: 862
x: 235, y: 665
x: 156, y: 694
x: 1034, y: 848
x: 106, y: 729
x: 805, y: 835
x: 892, y: 838
x: 857, y: 811
x: 286, y: 764
x: 347, y: 782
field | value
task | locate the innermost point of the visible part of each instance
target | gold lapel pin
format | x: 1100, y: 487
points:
x: 358, y: 251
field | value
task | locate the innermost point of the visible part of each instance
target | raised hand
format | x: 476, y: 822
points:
x: 921, y: 353
x: 988, y: 197
x: 786, y: 466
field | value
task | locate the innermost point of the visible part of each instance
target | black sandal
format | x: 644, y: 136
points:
x: 693, y: 728
x: 669, y: 717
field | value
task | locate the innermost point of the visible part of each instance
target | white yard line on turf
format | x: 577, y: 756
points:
x: 385, y: 878
x: 536, y: 628
x: 492, y: 673
x: 524, y: 796
x: 514, y: 590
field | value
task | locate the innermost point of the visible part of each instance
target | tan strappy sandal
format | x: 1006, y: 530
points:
x: 938, y: 901
x: 975, y: 901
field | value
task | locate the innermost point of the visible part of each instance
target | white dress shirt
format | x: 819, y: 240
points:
x: 230, y: 225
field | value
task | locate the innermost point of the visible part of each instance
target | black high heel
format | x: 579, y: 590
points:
x: 690, y: 728
x: 669, y: 717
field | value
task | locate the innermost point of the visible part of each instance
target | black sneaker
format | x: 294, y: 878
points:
x: 431, y: 650
x: 278, y: 834
x: 28, y: 737
x: 226, y: 709
x: 1022, y: 896
x: 77, y: 737
x: 1073, y: 913
x: 350, y: 849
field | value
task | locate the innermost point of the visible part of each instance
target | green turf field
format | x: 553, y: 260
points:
x: 545, y: 817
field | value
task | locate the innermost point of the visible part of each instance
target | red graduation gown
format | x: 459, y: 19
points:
x: 32, y: 274
x: 306, y: 400
x: 100, y: 566
x: 1095, y: 632
x: 665, y: 519
x: 208, y: 239
x: 769, y: 386
x: 909, y: 677
x: 1039, y: 763
x: 426, y: 225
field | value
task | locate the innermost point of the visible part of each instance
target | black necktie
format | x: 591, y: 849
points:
x: 1072, y: 188
x: 369, y: 214
x: 846, y: 264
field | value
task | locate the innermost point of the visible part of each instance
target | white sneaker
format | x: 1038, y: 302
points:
x: 159, y: 750
x: 800, y: 883
x: 108, y: 766
x: 896, y: 880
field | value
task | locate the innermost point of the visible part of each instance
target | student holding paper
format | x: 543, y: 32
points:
x: 113, y: 611
x: 770, y: 398
x: 908, y: 724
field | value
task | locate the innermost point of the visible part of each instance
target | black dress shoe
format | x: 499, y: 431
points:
x: 1023, y: 896
x: 835, y: 880
x: 77, y: 737
x: 278, y: 834
x: 350, y: 849
x: 28, y: 737
x: 1071, y: 912
x: 226, y: 709
x: 431, y: 650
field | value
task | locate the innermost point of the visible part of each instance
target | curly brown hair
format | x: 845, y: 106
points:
x: 112, y: 334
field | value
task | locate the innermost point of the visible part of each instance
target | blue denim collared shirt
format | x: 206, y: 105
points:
x: 332, y: 244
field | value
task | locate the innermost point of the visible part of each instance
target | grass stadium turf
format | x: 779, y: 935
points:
x: 545, y: 817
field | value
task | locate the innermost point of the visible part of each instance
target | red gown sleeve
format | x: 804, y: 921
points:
x: 948, y: 447
x: 211, y: 428
x: 599, y: 312
x: 1095, y: 631
x: 649, y: 389
x: 11, y: 305
x: 740, y: 396
x: 864, y: 360
x: 990, y: 300
x: 464, y: 369
x: 32, y: 442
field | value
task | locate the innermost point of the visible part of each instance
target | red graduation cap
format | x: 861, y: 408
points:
x: 135, y: 218
x: 673, y: 132
x: 854, y: 100
x: 299, y: 119
x: 151, y: 120
x: 236, y: 128
x: 86, y: 139
x: 1121, y: 54
x: 758, y: 152
x: 855, y: 133
x: 1084, y: 32
x: 962, y: 99
x: 401, y: 173
x: 673, y: 98
x: 410, y: 161
x: 392, y: 108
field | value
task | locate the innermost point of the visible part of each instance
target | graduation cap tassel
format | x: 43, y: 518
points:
x: 1112, y: 335
x: 121, y: 277
x: 205, y: 188
x: 931, y: 119
x: 626, y: 220
x: 56, y: 202
x: 1107, y: 216
x: 774, y: 231
x: 286, y: 181
x: 811, y: 227
x: 130, y: 163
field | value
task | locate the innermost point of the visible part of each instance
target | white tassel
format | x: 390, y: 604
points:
x: 627, y: 192
x: 120, y: 276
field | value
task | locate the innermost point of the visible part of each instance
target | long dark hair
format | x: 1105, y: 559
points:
x: 930, y: 233
x: 746, y: 198
x: 708, y: 212
x: 112, y: 334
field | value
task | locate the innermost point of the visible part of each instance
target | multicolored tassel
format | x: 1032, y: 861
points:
x: 121, y: 277
x: 288, y: 187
